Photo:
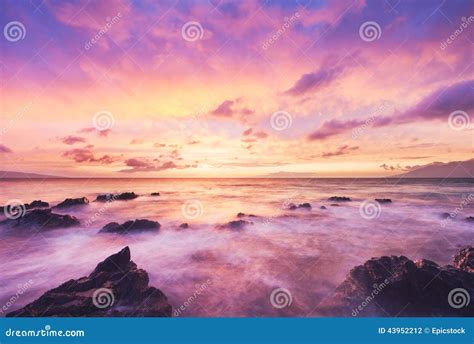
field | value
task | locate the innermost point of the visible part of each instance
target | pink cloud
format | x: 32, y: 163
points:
x: 71, y: 139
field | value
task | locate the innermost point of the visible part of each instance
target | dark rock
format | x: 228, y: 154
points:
x: 464, y: 259
x: 322, y: 207
x: 339, y: 199
x: 470, y: 218
x: 155, y: 194
x: 37, y: 204
x: 116, y: 288
x: 292, y: 206
x: 27, y: 206
x: 184, y: 226
x: 114, y: 197
x: 383, y: 200
x: 70, y: 202
x: 397, y: 286
x: 235, y: 225
x: 445, y: 215
x: 240, y: 215
x: 41, y: 219
x: 130, y: 226
x: 335, y: 205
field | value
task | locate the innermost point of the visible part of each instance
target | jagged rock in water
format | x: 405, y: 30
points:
x: 116, y: 288
x: 397, y: 286
x: 70, y: 202
x: 125, y: 196
x: 139, y: 225
x: 339, y: 199
x: 43, y: 219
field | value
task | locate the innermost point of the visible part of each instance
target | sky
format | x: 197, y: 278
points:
x: 120, y: 88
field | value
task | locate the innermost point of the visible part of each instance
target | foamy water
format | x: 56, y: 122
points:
x: 308, y: 252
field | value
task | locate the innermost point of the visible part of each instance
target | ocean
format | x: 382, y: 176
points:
x: 207, y: 271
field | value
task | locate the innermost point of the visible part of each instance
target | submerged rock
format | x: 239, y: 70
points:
x: 70, y: 202
x: 41, y: 219
x: 339, y: 199
x: 235, y: 225
x: 470, y: 219
x: 155, y: 194
x: 116, y: 288
x: 292, y: 206
x: 383, y: 200
x: 398, y: 286
x: 240, y: 215
x: 184, y: 226
x: 322, y: 207
x: 130, y: 226
x: 125, y: 196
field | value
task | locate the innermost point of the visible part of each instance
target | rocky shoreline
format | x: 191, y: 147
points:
x: 386, y: 286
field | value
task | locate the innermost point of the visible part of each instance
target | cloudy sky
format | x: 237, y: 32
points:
x: 235, y: 89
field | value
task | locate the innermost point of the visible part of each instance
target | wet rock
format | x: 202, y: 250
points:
x: 240, y: 215
x: 155, y: 194
x: 464, y: 259
x: 184, y: 226
x: 125, y: 196
x: 292, y: 206
x: 116, y: 288
x: 27, y: 206
x: 322, y: 207
x: 398, y: 286
x: 235, y: 225
x: 335, y: 205
x: 470, y: 218
x: 339, y: 199
x: 43, y: 219
x: 141, y: 225
x: 37, y: 204
x: 445, y: 215
x: 383, y: 200
x: 70, y: 202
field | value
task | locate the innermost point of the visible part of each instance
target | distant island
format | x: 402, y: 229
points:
x: 23, y: 175
x: 453, y: 169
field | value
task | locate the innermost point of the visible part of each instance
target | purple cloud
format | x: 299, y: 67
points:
x: 81, y: 155
x: 71, y: 139
x: 5, y: 149
x: 333, y: 127
x: 340, y: 151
